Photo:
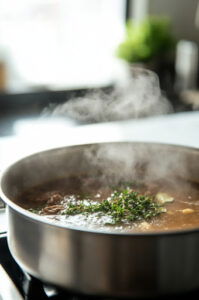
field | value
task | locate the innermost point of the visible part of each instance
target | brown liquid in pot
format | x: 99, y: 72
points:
x: 49, y: 198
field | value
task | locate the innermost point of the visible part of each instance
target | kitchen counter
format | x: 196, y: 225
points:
x: 37, y: 134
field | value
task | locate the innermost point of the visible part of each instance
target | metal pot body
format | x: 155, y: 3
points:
x: 94, y: 262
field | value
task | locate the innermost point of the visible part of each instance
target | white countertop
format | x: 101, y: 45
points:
x: 33, y: 136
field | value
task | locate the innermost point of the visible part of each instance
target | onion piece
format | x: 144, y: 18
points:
x: 163, y: 198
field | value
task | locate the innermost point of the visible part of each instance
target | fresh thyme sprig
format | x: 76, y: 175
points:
x: 121, y: 206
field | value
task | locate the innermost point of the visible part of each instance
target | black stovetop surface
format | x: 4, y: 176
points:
x: 31, y: 288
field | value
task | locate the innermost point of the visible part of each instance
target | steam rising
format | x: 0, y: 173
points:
x: 112, y: 163
x: 139, y: 97
x: 131, y: 161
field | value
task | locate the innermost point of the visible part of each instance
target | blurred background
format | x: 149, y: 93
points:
x: 68, y: 63
x: 86, y: 71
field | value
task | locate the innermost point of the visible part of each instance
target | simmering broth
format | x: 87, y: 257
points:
x: 50, y: 200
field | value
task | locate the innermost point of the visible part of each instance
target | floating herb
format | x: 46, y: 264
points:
x: 121, y: 206
x: 34, y: 210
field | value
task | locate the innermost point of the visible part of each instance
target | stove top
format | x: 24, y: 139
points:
x: 16, y: 284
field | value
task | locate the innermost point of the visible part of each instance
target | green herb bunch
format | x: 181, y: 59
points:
x: 122, y: 206
x: 147, y: 40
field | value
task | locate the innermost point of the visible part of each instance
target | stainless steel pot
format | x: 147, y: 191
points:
x: 94, y: 262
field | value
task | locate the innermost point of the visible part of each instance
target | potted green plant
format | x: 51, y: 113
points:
x: 148, y: 42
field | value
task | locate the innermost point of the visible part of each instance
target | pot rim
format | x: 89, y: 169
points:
x: 36, y: 218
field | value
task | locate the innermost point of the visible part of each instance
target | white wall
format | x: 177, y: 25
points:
x: 182, y: 14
